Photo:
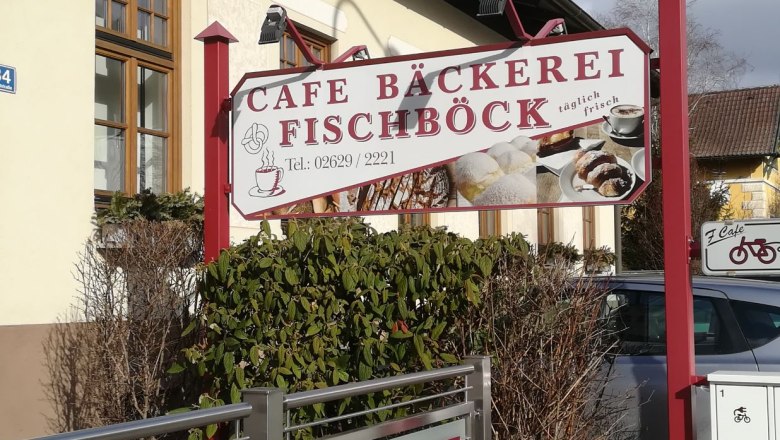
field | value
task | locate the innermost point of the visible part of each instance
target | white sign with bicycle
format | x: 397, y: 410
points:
x: 741, y: 247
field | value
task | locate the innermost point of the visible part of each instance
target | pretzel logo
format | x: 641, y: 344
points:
x: 255, y: 138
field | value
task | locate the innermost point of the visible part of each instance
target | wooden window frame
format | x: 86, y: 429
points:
x: 588, y: 227
x: 125, y: 125
x: 545, y: 217
x: 167, y: 135
x: 312, y: 39
x: 415, y: 219
x: 131, y: 24
x: 489, y: 223
x: 134, y: 53
x: 152, y: 14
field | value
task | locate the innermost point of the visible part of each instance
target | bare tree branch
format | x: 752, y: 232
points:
x: 107, y: 363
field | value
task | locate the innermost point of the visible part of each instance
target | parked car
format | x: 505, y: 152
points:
x: 736, y: 324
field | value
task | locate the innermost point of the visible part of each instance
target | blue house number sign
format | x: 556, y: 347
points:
x: 7, y: 79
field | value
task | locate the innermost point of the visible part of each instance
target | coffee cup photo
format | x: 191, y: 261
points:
x: 626, y: 119
x: 268, y: 178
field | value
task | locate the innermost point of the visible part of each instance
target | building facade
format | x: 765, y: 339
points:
x: 109, y: 97
x: 735, y: 135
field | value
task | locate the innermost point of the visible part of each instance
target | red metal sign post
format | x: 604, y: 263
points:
x: 216, y: 215
x: 676, y: 217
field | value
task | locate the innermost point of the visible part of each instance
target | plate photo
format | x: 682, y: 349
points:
x: 638, y: 163
x: 607, y: 130
x: 556, y: 162
x: 569, y: 181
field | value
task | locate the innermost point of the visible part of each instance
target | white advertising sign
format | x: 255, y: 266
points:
x: 452, y: 130
x: 741, y: 247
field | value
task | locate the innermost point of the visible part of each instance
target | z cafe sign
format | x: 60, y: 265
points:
x: 558, y: 122
x: 744, y: 247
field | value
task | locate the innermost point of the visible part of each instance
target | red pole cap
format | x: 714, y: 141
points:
x: 216, y: 30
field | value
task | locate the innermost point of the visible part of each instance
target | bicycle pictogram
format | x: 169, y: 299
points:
x: 759, y: 248
x: 740, y: 414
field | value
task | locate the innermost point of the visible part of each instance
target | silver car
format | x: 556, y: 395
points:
x: 736, y: 324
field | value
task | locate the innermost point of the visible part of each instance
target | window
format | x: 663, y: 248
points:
x: 290, y: 56
x: 760, y: 323
x: 489, y: 223
x: 639, y: 322
x: 545, y: 226
x: 588, y: 227
x: 146, y: 22
x: 136, y: 107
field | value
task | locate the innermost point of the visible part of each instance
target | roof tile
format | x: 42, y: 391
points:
x: 732, y: 123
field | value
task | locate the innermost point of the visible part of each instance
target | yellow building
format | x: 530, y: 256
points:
x: 109, y: 97
x: 735, y: 134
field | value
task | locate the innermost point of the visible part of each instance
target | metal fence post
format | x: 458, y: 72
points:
x: 480, y: 428
x: 267, y: 419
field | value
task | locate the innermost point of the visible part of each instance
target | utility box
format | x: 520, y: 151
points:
x: 744, y: 405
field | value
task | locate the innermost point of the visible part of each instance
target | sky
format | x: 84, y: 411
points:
x: 748, y: 28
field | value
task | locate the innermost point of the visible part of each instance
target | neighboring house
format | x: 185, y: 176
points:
x: 110, y: 98
x: 735, y: 135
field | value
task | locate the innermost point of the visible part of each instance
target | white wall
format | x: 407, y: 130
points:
x: 568, y: 226
x: 522, y: 221
x: 605, y: 226
x: 465, y: 224
x: 46, y: 142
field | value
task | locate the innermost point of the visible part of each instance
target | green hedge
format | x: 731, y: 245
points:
x: 336, y: 302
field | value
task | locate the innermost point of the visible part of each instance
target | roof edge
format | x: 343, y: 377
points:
x: 576, y: 12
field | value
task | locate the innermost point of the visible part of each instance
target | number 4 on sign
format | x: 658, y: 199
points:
x: 7, y: 79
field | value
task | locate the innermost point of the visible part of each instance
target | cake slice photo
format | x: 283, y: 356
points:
x: 557, y: 143
x: 596, y: 175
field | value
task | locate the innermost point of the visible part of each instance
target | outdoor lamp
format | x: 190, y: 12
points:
x: 559, y: 29
x: 491, y: 7
x: 274, y: 25
x: 362, y: 54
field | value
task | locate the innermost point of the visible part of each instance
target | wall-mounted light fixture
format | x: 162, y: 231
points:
x: 491, y: 7
x: 274, y: 25
x: 553, y: 27
x: 357, y: 53
x: 361, y: 54
x: 277, y: 22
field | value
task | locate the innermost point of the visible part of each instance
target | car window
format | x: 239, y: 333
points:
x: 638, y: 321
x: 760, y: 323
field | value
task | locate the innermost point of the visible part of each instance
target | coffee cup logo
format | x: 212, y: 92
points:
x: 268, y: 178
x: 626, y: 119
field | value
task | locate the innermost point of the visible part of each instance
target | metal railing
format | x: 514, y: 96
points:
x: 265, y: 412
x: 159, y: 425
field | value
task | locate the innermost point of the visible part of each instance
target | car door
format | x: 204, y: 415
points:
x: 636, y: 313
x: 759, y: 318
